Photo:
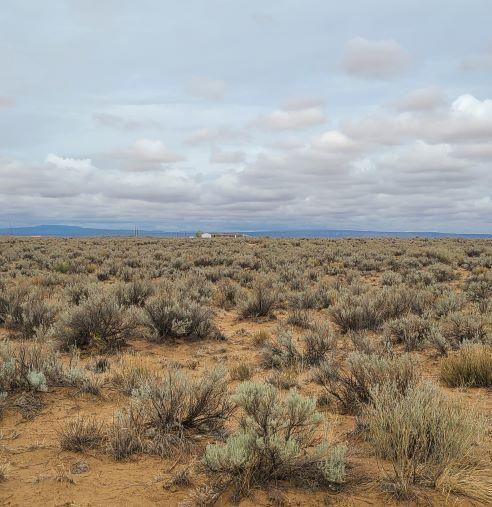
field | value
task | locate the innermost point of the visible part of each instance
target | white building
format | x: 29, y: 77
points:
x: 206, y: 235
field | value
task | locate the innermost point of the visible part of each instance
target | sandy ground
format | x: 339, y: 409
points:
x: 42, y: 474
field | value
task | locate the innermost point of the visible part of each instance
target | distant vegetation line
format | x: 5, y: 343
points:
x: 75, y: 231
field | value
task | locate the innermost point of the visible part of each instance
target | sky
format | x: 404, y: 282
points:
x: 247, y: 114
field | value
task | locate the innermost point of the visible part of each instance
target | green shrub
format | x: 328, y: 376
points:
x: 278, y: 440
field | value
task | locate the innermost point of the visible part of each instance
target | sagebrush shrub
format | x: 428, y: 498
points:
x: 278, y: 440
x: 167, y: 319
x: 351, y: 384
x: 479, y: 291
x: 261, y: 301
x: 281, y: 353
x: 30, y: 366
x: 317, y: 343
x: 37, y: 315
x: 176, y: 403
x: 413, y: 332
x: 134, y: 293
x: 98, y: 322
x: 460, y: 327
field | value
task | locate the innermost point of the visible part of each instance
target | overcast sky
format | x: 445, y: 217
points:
x: 247, y: 114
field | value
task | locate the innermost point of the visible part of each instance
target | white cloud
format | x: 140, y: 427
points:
x: 466, y: 120
x: 77, y: 164
x: 381, y: 59
x: 206, y: 88
x: 292, y: 118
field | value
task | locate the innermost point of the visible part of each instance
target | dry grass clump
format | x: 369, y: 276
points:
x: 126, y: 434
x: 421, y: 432
x: 241, y: 371
x: 352, y: 384
x: 99, y: 322
x: 278, y: 440
x: 130, y: 371
x: 80, y: 434
x: 471, y: 366
x: 4, y: 471
x: 260, y: 338
x: 471, y: 479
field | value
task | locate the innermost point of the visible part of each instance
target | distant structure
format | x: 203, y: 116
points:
x: 222, y: 235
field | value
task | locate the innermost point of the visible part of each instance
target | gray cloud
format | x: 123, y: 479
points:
x: 423, y: 99
x: 375, y: 59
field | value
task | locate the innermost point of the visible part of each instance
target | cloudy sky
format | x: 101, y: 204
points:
x: 247, y: 114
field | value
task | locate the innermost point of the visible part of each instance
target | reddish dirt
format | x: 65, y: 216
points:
x: 42, y: 474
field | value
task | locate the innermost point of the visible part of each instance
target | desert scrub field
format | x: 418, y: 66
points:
x: 145, y: 371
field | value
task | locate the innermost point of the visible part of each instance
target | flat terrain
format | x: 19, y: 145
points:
x: 243, y: 308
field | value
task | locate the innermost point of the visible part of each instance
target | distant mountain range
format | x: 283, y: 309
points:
x: 71, y: 231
